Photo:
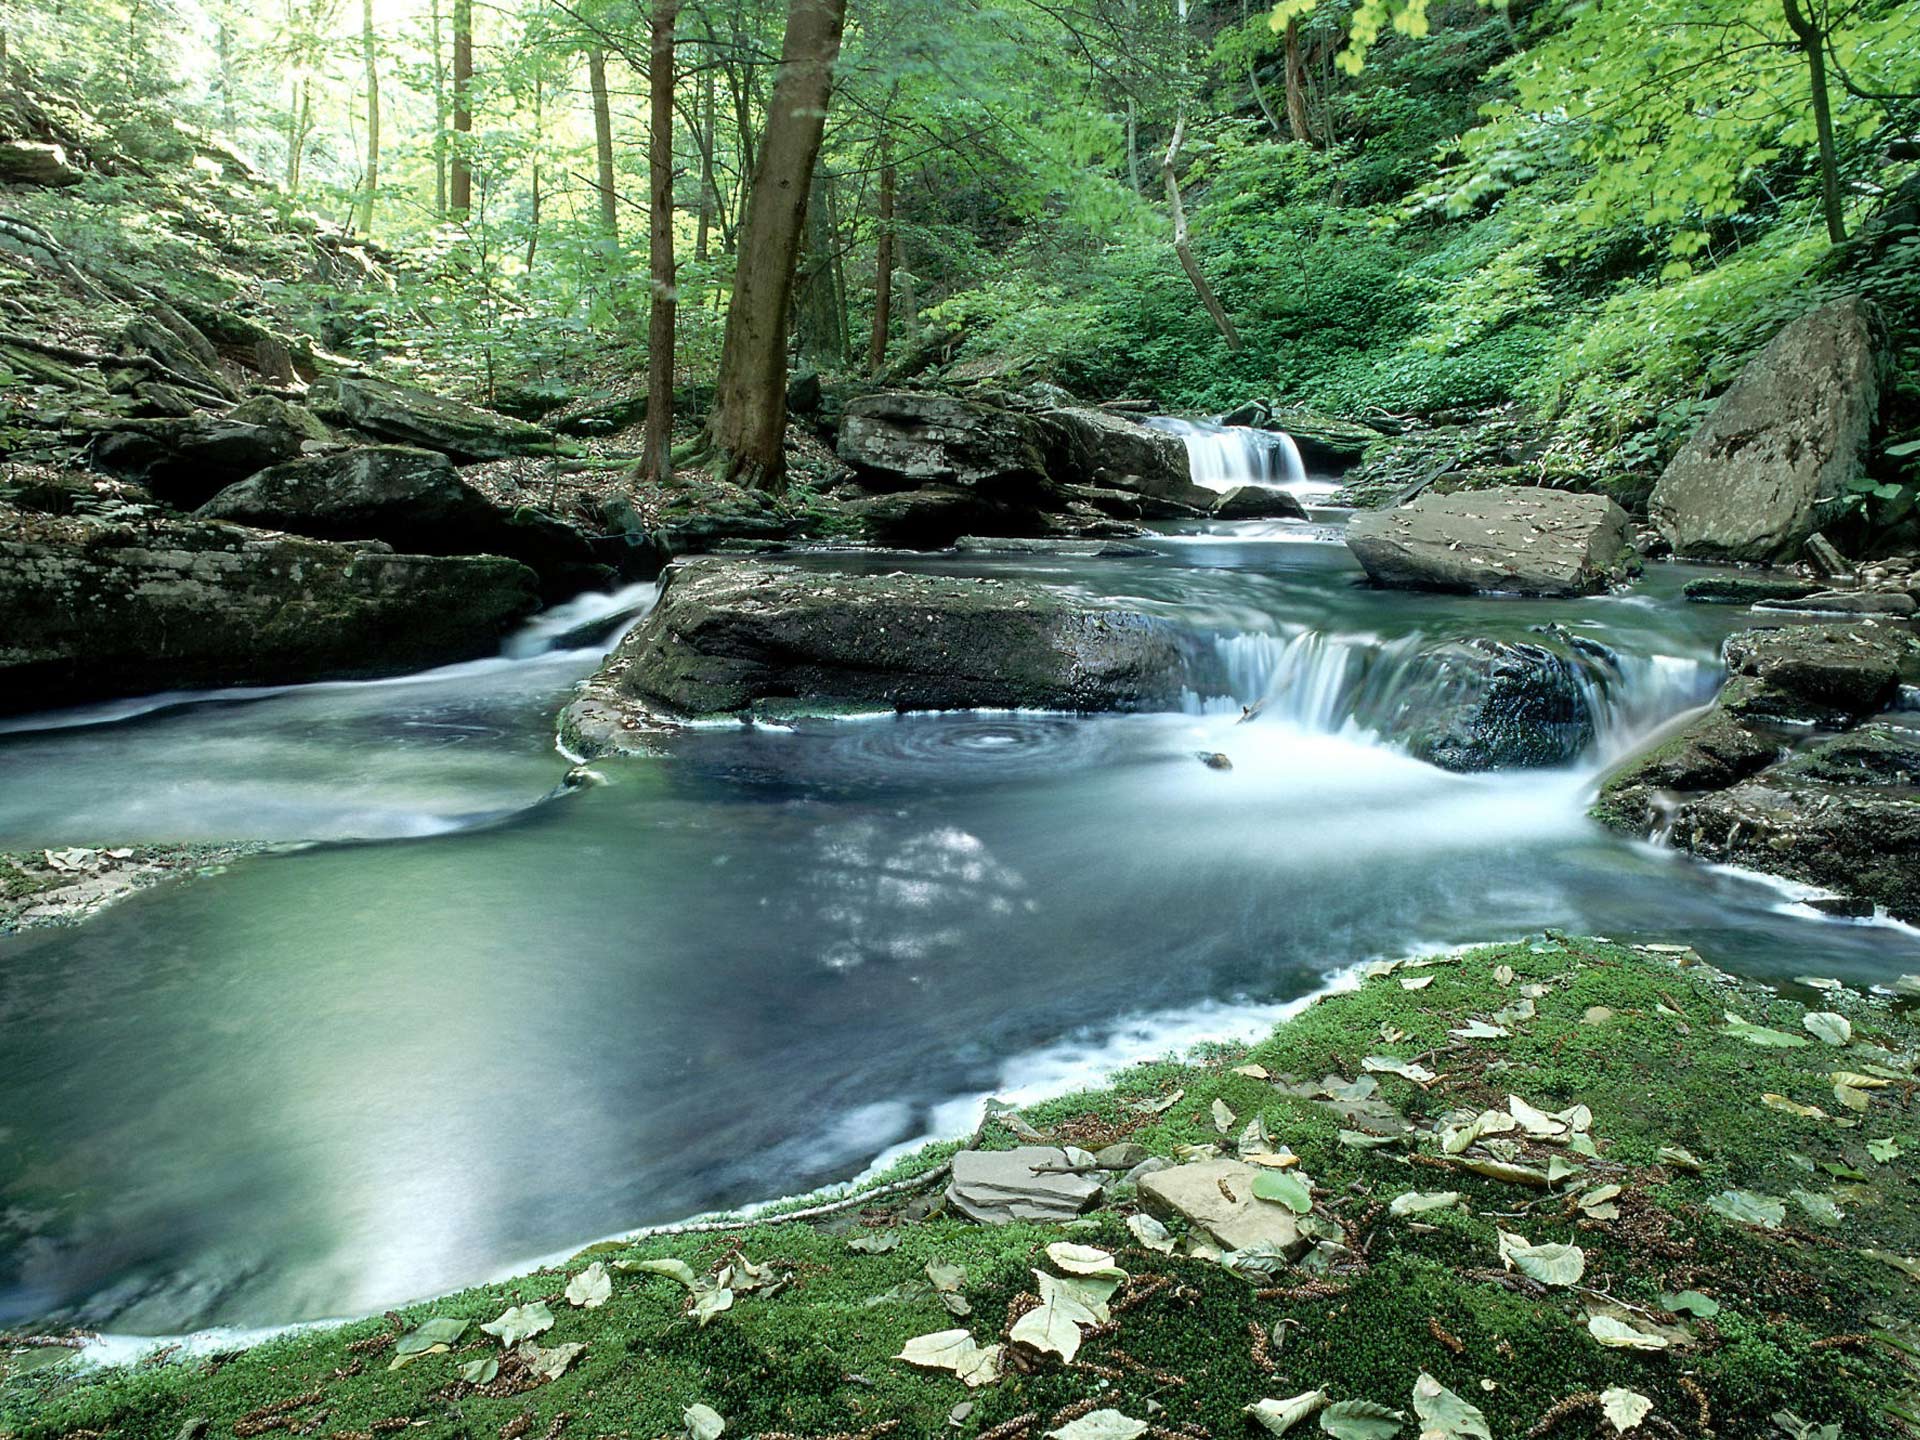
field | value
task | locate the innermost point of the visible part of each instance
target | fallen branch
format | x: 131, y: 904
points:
x: 812, y: 1212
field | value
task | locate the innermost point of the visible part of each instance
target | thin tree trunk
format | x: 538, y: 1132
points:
x: 1260, y: 98
x: 883, y: 262
x: 368, y: 50
x: 748, y: 426
x: 709, y: 197
x: 603, y: 139
x: 1297, y: 118
x: 460, y: 191
x: 223, y: 46
x: 1813, y: 44
x: 439, y: 120
x: 539, y: 135
x: 302, y: 121
x: 1180, y: 245
x: 657, y: 456
x: 1133, y: 144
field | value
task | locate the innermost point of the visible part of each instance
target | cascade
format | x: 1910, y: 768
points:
x: 1224, y: 457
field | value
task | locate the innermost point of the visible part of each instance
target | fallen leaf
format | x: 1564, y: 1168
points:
x: 1085, y: 1260
x: 1444, y: 1415
x: 1624, y: 1409
x: 1760, y: 1035
x: 1793, y: 1107
x: 1749, y: 1208
x: 1387, y: 1065
x: 955, y: 1350
x: 1100, y: 1425
x: 1151, y: 1233
x: 591, y: 1288
x: 1679, y: 1157
x: 1827, y: 1026
x: 1417, y: 1202
x: 944, y: 1277
x: 707, y: 1304
x: 1053, y: 1326
x: 1289, y: 1190
x: 483, y: 1371
x: 430, y: 1337
x: 1818, y: 1207
x: 1551, y: 1264
x: 1616, y: 1334
x: 677, y: 1269
x: 1690, y: 1302
x: 520, y: 1322
x: 1277, y: 1417
x: 1361, y: 1420
x: 875, y: 1242
x: 703, y: 1422
x: 1415, y: 982
x: 1884, y: 1150
x: 1255, y: 1072
x: 1481, y: 1030
x: 550, y: 1362
x: 1222, y: 1116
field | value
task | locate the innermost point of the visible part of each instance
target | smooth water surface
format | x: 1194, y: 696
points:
x: 485, y: 1020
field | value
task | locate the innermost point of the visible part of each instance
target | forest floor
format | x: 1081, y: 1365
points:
x: 1630, y: 1191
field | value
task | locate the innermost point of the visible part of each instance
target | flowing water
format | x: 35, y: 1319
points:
x: 480, y: 1019
x: 1225, y: 457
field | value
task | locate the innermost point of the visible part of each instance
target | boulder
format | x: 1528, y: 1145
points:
x: 728, y: 636
x: 999, y: 1187
x: 1483, y: 704
x: 1112, y: 452
x: 409, y: 416
x: 1258, y: 502
x: 1789, y: 434
x: 905, y: 439
x: 415, y: 501
x: 1216, y: 1196
x: 185, y: 461
x: 1325, y: 443
x: 30, y: 162
x: 1746, y: 589
x: 102, y: 611
x: 1821, y: 673
x: 271, y: 410
x: 933, y: 516
x: 1711, y: 752
x: 1827, y: 818
x: 1513, y: 539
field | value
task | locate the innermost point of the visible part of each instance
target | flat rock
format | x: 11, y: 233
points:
x: 999, y: 1187
x: 1789, y: 434
x: 1817, y: 672
x: 1199, y: 1193
x: 728, y: 636
x: 125, y: 610
x: 906, y: 439
x: 1090, y: 549
x: 1846, y: 602
x: 405, y: 415
x: 1746, y: 589
x: 1510, y: 539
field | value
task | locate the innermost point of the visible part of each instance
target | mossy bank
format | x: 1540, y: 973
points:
x: 1757, y: 1248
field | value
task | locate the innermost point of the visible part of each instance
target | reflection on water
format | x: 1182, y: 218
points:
x: 330, y: 1081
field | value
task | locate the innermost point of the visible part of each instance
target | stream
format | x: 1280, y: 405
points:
x: 477, y: 1019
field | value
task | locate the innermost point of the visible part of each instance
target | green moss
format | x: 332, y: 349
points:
x: 1636, y: 1036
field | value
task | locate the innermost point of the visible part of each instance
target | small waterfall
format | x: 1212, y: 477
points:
x: 1578, y: 700
x: 1224, y: 457
x: 580, y: 623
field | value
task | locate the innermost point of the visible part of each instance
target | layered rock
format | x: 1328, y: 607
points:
x: 187, y: 460
x: 1510, y: 539
x: 1789, y: 434
x: 729, y: 636
x: 1828, y: 674
x: 97, y: 612
x: 406, y: 416
x: 1035, y: 1183
x: 415, y: 501
x: 1111, y: 452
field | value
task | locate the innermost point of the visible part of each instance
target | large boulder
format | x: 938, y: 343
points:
x: 1513, y: 539
x: 934, y: 516
x: 185, y: 461
x: 31, y: 162
x: 732, y: 636
x: 904, y: 439
x: 1112, y: 452
x: 408, y: 416
x: 97, y: 612
x: 1258, y: 502
x: 1788, y: 435
x: 415, y: 501
x: 1483, y: 704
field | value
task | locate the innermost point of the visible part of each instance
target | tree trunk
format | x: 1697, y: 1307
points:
x: 883, y: 263
x: 460, y: 191
x: 1260, y: 98
x: 1297, y: 120
x: 749, y: 420
x: 373, y: 118
x: 603, y: 139
x: 439, y: 120
x: 1133, y: 145
x: 1180, y: 245
x: 657, y: 456
x: 709, y: 196
x: 1813, y: 44
x: 223, y: 49
x: 816, y: 311
x: 539, y: 135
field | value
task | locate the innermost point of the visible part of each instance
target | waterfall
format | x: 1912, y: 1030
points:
x: 1415, y: 691
x: 1223, y: 457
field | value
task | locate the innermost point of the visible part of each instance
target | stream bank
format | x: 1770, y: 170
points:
x: 1743, y: 1238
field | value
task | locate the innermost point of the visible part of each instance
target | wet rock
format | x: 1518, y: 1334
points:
x: 1789, y: 434
x: 1510, y: 539
x: 1746, y: 589
x: 898, y: 440
x: 1491, y: 704
x: 1325, y: 443
x: 1823, y: 673
x: 1878, y: 754
x: 999, y: 1187
x: 408, y: 416
x: 728, y: 636
x: 1249, y: 412
x: 1110, y: 452
x: 1090, y: 549
x: 934, y: 516
x: 1217, y: 1196
x: 415, y: 501
x: 1258, y: 502
x: 1711, y: 752
x: 100, y: 611
x: 1847, y: 602
x: 186, y: 461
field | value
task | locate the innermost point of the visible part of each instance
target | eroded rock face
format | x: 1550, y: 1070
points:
x: 728, y: 636
x: 1111, y: 452
x: 1511, y: 539
x: 95, y: 612
x: 406, y: 416
x: 907, y: 439
x: 187, y: 460
x: 1788, y: 434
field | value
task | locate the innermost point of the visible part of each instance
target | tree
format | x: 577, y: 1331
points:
x: 460, y: 190
x: 602, y: 139
x: 883, y: 260
x: 747, y: 430
x: 1182, y: 248
x: 656, y: 462
x: 371, y: 182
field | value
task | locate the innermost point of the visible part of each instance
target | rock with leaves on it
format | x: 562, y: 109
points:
x: 1789, y: 435
x: 1033, y: 1182
x: 404, y: 415
x: 1510, y: 539
x: 1218, y: 1197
